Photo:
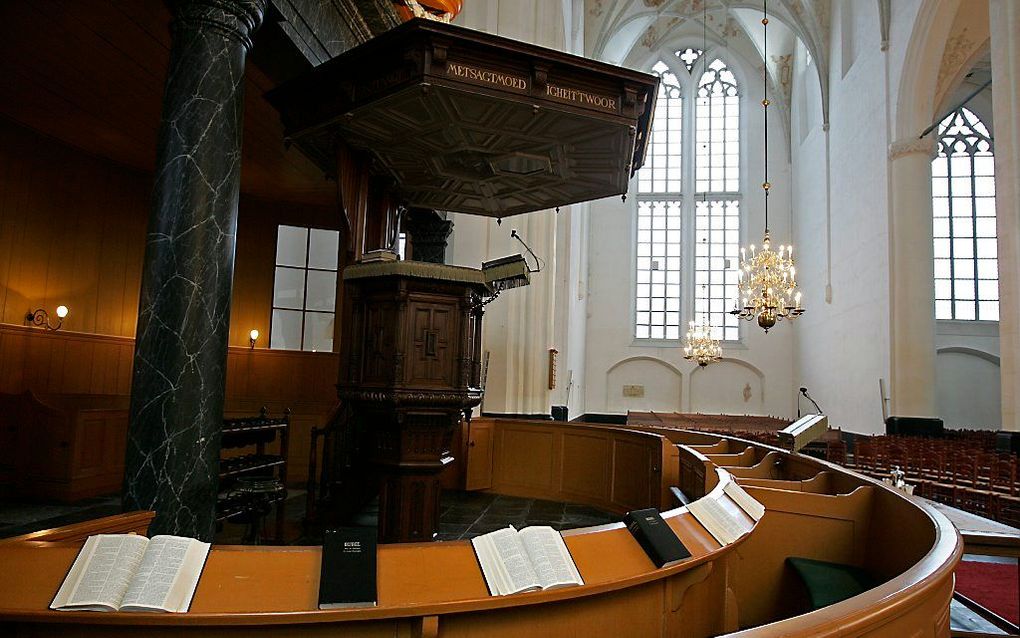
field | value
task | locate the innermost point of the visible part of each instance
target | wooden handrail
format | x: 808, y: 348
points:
x: 127, y: 523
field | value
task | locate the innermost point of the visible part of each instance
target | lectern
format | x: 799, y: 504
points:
x: 434, y: 117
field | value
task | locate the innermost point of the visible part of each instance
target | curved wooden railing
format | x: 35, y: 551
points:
x: 813, y: 509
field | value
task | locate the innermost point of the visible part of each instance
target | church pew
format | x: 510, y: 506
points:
x: 767, y: 467
x: 824, y: 527
x: 435, y: 589
x: 746, y: 458
x: 820, y: 483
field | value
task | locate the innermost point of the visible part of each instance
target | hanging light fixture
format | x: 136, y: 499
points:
x: 767, y: 280
x: 699, y: 345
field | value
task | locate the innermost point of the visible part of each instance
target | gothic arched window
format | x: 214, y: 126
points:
x: 712, y: 207
x: 963, y: 223
x: 660, y: 180
x: 717, y: 204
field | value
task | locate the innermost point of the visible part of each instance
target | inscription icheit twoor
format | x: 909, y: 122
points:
x: 581, y: 97
x: 487, y: 76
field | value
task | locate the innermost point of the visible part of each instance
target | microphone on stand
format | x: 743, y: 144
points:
x: 538, y: 262
x: 807, y: 396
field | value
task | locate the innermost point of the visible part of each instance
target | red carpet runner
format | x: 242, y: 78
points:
x: 992, y: 585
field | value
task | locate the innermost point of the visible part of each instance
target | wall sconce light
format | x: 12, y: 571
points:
x: 42, y: 318
x: 253, y: 336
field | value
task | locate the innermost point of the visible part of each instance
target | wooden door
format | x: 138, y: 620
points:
x: 479, y: 456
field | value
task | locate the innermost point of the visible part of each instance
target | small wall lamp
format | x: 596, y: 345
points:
x: 253, y: 336
x: 40, y: 317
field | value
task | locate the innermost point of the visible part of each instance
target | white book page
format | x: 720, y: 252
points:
x: 550, y: 557
x: 746, y: 502
x: 716, y: 520
x: 505, y: 562
x: 168, y: 575
x: 101, y: 573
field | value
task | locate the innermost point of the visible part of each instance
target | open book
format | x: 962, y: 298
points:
x: 516, y: 561
x: 724, y: 526
x: 125, y: 572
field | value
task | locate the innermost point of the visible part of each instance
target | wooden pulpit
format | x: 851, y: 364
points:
x: 434, y: 117
x: 410, y: 369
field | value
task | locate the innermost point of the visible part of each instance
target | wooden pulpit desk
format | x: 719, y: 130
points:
x: 437, y: 589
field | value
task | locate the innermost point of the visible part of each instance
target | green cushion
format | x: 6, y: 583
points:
x: 830, y: 583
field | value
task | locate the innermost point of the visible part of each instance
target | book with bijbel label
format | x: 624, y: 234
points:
x: 348, y: 575
x: 656, y: 537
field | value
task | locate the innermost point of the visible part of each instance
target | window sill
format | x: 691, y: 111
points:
x: 958, y: 327
x: 679, y: 343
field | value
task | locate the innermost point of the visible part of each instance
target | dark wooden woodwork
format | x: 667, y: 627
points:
x: 62, y: 448
x: 470, y: 122
x: 409, y: 370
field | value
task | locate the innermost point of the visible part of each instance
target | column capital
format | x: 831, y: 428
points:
x: 237, y: 19
x: 911, y: 146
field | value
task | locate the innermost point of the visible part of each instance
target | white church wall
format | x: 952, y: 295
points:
x: 968, y: 387
x: 843, y: 341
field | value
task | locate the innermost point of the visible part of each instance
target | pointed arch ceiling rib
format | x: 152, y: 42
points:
x: 617, y: 29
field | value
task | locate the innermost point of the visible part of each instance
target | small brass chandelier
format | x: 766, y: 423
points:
x: 700, y: 346
x: 767, y: 280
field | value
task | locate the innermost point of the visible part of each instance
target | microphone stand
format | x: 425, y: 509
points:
x: 538, y: 262
x: 808, y: 397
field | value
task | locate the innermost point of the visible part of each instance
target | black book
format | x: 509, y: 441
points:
x: 655, y: 537
x: 348, y: 568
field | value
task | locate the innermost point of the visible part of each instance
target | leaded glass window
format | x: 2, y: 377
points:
x: 661, y: 170
x: 717, y: 154
x: 717, y: 212
x: 658, y: 270
x: 710, y: 220
x: 963, y: 223
x: 716, y: 251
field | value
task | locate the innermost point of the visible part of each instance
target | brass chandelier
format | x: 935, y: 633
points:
x: 700, y: 346
x: 767, y: 279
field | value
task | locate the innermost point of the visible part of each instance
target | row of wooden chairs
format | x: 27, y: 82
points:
x: 999, y: 507
x: 941, y: 463
x: 962, y: 470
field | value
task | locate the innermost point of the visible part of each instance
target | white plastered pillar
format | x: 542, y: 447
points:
x: 912, y: 295
x: 1004, y: 21
x: 519, y: 327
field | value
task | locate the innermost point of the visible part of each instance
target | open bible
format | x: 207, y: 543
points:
x: 527, y: 560
x: 125, y: 572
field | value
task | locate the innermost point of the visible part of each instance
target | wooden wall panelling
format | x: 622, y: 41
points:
x: 615, y: 470
x: 633, y: 463
x: 478, y: 455
x: 579, y: 477
x: 67, y: 363
x: 73, y: 233
x: 76, y: 236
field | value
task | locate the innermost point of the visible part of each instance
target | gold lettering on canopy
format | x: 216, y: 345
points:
x: 486, y: 76
x: 581, y: 97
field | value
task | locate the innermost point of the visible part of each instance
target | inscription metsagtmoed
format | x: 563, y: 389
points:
x: 581, y: 97
x: 486, y: 76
